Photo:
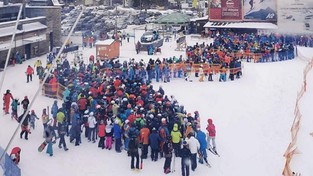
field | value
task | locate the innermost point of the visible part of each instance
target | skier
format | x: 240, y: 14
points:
x: 133, y: 152
x: 185, y: 154
x: 211, y: 134
x: 6, y: 101
x: 126, y: 127
x: 32, y: 119
x: 24, y: 125
x: 168, y: 149
x: 194, y: 147
x: 29, y: 73
x: 16, y: 155
x: 201, y: 137
x: 163, y: 133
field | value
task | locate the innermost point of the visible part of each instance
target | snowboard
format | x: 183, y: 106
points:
x: 213, y: 151
x: 42, y: 146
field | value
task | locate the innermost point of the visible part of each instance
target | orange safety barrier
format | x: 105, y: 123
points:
x: 292, y: 148
x: 53, y: 91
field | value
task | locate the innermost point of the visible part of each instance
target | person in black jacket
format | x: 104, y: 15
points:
x: 168, y: 150
x: 133, y: 151
x: 185, y: 154
x: 24, y: 125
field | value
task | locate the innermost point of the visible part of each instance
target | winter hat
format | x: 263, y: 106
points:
x: 91, y: 113
x: 185, y: 143
x: 86, y: 112
x: 126, y: 121
x: 116, y: 121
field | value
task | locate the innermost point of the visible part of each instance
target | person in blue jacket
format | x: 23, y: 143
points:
x: 157, y: 72
x: 117, y: 132
x: 54, y: 111
x: 201, y: 137
x: 154, y: 141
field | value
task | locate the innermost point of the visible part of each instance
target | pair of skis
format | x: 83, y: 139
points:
x: 213, y: 151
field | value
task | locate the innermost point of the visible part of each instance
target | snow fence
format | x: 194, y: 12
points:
x: 292, y: 147
x: 8, y: 166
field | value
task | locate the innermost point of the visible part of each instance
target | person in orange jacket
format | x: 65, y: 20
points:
x: 29, y: 73
x: 144, y: 139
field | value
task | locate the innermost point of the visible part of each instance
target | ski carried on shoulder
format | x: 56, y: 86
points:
x: 214, y: 151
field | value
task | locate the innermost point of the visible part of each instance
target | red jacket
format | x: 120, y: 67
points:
x: 131, y: 118
x: 144, y: 135
x: 7, y: 97
x: 101, y: 130
x: 82, y: 103
x: 211, y: 128
x: 29, y: 70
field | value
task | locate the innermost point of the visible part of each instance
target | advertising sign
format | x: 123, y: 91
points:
x: 260, y: 10
x: 225, y: 10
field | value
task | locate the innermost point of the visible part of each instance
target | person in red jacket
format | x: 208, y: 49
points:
x: 29, y: 73
x: 15, y: 154
x: 101, y: 134
x: 211, y: 134
x: 82, y: 104
x: 6, y: 101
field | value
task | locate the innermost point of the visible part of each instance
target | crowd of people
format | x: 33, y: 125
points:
x: 120, y: 110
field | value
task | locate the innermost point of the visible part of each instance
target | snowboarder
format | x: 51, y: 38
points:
x: 6, y: 101
x: 62, y: 131
x: 49, y: 135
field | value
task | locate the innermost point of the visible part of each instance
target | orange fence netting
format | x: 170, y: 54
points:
x: 292, y: 148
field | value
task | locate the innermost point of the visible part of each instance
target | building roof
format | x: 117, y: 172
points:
x: 248, y: 25
x: 105, y: 42
x: 173, y: 18
x: 200, y: 18
x: 7, y: 31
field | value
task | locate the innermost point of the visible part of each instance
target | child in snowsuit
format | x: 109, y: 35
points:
x: 14, y: 106
x: 32, y: 119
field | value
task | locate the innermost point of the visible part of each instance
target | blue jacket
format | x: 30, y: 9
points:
x: 201, y: 137
x: 154, y: 140
x: 54, y: 110
x: 117, y: 132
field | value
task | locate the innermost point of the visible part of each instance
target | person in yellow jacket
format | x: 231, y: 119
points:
x: 176, y: 138
x: 37, y: 65
x: 60, y: 116
x: 201, y: 73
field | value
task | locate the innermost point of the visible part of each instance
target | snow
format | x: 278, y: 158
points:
x: 105, y: 42
x: 252, y: 115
